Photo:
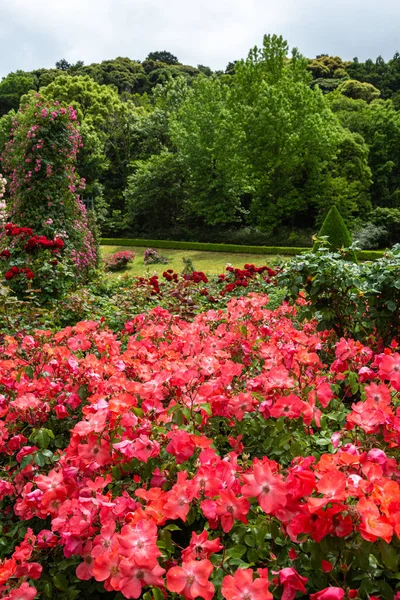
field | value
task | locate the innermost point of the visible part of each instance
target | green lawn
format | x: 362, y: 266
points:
x: 209, y: 262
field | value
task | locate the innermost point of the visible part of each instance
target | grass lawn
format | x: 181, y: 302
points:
x: 209, y: 262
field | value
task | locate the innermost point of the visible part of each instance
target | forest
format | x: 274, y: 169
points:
x: 256, y: 154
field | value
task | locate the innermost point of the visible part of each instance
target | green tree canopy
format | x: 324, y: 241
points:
x: 358, y: 90
x: 163, y: 56
x: 12, y: 88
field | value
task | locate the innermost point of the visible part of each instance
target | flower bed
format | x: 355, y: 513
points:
x: 236, y: 456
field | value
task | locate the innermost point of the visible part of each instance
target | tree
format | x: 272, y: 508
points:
x: 155, y: 194
x: 335, y: 230
x: 347, y: 180
x: 12, y: 88
x: 203, y: 133
x: 379, y: 124
x: 92, y: 101
x: 288, y: 134
x: 163, y: 56
x: 125, y: 74
x: 324, y: 66
x: 205, y: 70
x: 94, y: 104
x: 63, y: 65
x: 358, y: 90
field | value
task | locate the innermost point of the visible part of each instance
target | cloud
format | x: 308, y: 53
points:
x: 37, y: 33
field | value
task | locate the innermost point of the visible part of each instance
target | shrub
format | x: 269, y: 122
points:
x: 152, y: 257
x: 361, y: 301
x: 237, y: 455
x: 40, y: 161
x: 188, y: 266
x: 371, y: 237
x: 389, y: 219
x: 3, y: 207
x: 119, y: 260
x: 335, y: 231
x: 35, y: 264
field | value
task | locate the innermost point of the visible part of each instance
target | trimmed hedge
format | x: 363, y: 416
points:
x: 204, y: 246
x: 231, y: 248
x: 335, y: 229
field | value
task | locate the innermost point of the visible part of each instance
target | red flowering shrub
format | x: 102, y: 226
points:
x: 235, y: 456
x: 33, y: 261
x: 119, y: 260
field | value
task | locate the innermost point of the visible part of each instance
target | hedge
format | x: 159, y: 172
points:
x: 231, y: 248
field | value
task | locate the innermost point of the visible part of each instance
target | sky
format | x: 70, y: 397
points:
x: 37, y: 33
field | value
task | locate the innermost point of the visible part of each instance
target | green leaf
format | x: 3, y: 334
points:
x: 249, y: 540
x: 60, y: 582
x: 385, y: 590
x: 26, y: 460
x: 389, y: 555
x: 172, y: 527
x: 207, y: 408
x: 42, y: 438
x: 39, y: 459
x: 236, y: 552
x: 29, y: 371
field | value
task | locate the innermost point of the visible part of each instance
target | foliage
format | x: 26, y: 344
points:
x: 12, y: 87
x: 231, y: 248
x: 379, y: 125
x: 371, y: 236
x: 92, y: 101
x: 388, y: 219
x: 40, y: 163
x: 152, y: 257
x: 32, y: 263
x: 201, y: 129
x: 347, y: 180
x: 119, y: 260
x: 358, y: 91
x: 286, y: 163
x: 324, y: 66
x: 195, y: 457
x: 254, y: 146
x: 334, y: 229
x: 241, y: 167
x: 383, y: 75
x: 359, y: 300
x: 163, y: 56
x: 154, y: 195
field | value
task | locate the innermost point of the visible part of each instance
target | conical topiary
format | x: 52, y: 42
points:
x: 335, y: 229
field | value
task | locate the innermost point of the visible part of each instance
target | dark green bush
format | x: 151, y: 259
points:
x: 232, y: 248
x: 208, y: 247
x: 335, y: 231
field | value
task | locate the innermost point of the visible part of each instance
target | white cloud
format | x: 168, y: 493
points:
x: 36, y: 33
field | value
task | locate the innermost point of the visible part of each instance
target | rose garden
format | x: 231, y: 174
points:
x: 184, y: 435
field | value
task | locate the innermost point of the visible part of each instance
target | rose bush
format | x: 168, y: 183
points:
x: 119, y: 260
x: 153, y: 257
x: 236, y: 455
x: 3, y: 207
x: 44, y: 188
x: 34, y: 262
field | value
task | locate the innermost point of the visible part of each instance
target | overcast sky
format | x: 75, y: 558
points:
x: 37, y: 33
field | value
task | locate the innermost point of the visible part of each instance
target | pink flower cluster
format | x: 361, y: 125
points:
x: 151, y: 421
